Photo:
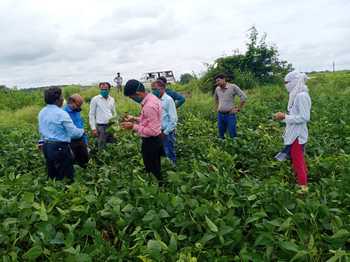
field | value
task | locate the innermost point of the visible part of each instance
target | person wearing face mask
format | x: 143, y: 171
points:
x: 177, y: 97
x: 147, y: 126
x: 79, y: 145
x: 57, y: 130
x: 102, y: 109
x: 296, y: 132
x: 169, y: 120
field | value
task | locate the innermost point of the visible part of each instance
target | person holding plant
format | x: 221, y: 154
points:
x: 57, y: 130
x: 147, y: 126
x: 296, y: 132
x: 102, y: 109
x: 79, y: 146
x: 169, y: 120
x: 224, y: 100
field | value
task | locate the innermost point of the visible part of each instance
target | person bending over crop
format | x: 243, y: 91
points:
x: 224, y: 100
x: 169, y: 120
x: 177, y: 97
x: 57, y: 129
x: 102, y: 109
x: 79, y: 146
x: 147, y: 126
x: 296, y: 132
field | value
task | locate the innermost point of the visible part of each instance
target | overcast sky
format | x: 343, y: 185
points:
x: 85, y: 41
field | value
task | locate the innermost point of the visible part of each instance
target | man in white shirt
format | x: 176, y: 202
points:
x: 102, y: 109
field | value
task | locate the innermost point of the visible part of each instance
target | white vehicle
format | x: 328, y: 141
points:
x: 150, y: 77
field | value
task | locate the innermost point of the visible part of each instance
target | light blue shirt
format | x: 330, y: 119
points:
x: 169, y: 114
x: 56, y: 125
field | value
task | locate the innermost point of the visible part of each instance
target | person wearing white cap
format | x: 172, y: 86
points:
x: 296, y: 132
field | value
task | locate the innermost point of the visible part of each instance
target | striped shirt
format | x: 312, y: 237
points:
x: 296, y: 120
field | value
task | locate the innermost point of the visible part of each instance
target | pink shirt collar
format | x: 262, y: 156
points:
x: 145, y: 99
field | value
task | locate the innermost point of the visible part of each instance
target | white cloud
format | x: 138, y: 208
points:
x: 85, y: 41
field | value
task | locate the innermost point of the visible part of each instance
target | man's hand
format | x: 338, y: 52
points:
x: 94, y: 133
x: 127, y: 125
x: 235, y: 110
x: 280, y: 116
x: 129, y: 118
x: 162, y: 135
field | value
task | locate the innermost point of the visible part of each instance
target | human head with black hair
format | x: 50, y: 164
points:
x: 163, y: 78
x: 118, y: 74
x: 53, y: 96
x: 104, y: 89
x: 220, y: 80
x: 158, y: 88
x: 135, y: 90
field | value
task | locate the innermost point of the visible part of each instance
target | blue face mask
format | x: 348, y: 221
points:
x: 104, y: 93
x: 156, y: 92
x: 137, y: 99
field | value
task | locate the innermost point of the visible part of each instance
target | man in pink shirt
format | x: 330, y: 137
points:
x: 147, y: 126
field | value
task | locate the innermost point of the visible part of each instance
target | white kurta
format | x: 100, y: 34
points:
x: 297, y: 118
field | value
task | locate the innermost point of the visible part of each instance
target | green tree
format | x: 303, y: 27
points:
x: 186, y: 78
x: 260, y: 64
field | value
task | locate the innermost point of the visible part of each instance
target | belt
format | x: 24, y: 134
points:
x: 102, y: 124
x: 226, y: 113
x: 151, y: 137
x: 56, y: 142
x: 77, y: 140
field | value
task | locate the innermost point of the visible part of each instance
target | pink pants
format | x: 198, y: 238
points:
x: 298, y: 163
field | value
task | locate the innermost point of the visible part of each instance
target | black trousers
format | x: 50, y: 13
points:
x: 151, y: 150
x: 59, y: 160
x: 80, y: 152
x: 104, y: 136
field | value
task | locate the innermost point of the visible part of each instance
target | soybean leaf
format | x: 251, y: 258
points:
x: 33, y: 253
x: 211, y: 225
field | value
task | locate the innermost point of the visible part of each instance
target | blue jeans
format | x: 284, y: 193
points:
x: 227, y: 121
x: 169, y: 146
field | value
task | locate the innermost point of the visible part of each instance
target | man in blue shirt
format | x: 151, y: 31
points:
x: 169, y: 120
x: 57, y: 129
x: 79, y: 146
x: 177, y: 97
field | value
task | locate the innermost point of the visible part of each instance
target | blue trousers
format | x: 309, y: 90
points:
x: 227, y: 122
x: 169, y: 146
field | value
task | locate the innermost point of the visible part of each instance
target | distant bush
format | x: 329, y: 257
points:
x: 24, y: 115
x: 70, y: 90
x: 186, y: 78
x: 15, y: 99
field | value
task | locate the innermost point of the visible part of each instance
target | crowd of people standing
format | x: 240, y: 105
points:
x: 64, y: 140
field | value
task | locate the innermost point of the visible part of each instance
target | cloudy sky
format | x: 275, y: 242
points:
x: 86, y: 41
